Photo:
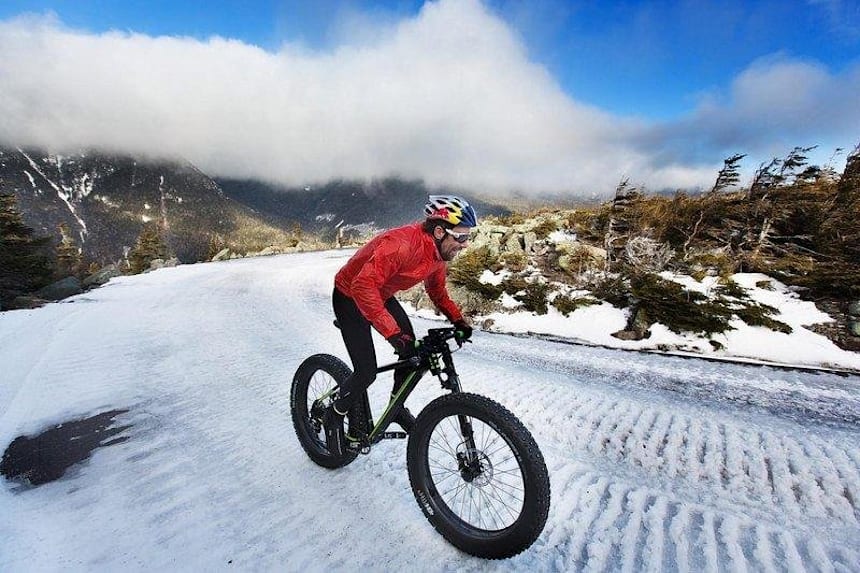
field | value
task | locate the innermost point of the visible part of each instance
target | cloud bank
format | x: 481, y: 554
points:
x: 449, y: 95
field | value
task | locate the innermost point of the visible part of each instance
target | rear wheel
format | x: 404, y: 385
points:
x: 312, y: 392
x: 488, y: 496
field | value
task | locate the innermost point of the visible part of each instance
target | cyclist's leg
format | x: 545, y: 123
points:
x: 404, y: 418
x: 393, y: 306
x: 355, y: 330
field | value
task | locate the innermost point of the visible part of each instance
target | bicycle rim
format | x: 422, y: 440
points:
x: 487, y: 493
x: 321, y: 388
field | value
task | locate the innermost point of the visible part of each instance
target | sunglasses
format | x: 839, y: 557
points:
x: 459, y: 237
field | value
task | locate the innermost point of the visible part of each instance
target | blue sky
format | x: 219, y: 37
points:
x: 653, y: 59
x: 662, y: 65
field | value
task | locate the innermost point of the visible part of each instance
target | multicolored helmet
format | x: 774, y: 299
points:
x: 454, y: 210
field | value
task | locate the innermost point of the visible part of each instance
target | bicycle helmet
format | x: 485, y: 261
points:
x: 454, y: 210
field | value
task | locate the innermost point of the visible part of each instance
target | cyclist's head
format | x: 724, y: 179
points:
x: 449, y: 219
x: 450, y: 209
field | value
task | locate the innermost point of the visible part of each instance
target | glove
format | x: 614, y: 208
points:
x: 464, y: 331
x: 404, y: 345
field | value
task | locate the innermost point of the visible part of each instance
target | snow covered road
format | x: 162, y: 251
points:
x: 656, y: 463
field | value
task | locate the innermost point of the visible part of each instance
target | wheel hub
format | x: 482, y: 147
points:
x: 475, y: 467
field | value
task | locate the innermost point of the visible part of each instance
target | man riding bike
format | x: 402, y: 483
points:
x: 363, y: 296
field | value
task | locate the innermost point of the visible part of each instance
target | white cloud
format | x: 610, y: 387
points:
x: 449, y: 95
x: 773, y: 105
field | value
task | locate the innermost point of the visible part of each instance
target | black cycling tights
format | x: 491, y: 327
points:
x: 359, y: 343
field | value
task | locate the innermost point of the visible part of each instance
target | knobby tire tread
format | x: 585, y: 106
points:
x: 526, y: 529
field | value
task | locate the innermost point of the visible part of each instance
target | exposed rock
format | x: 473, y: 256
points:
x: 564, y: 263
x: 101, y: 277
x: 270, y: 250
x: 854, y: 309
x: 841, y: 331
x: 626, y: 335
x: 25, y: 302
x: 470, y: 303
x: 572, y: 247
x: 222, y: 255
x: 637, y: 329
x: 575, y: 255
x: 529, y: 240
x: 155, y: 264
x: 61, y: 289
x: 490, y: 240
x: 855, y: 328
x: 514, y: 243
x: 641, y: 324
x: 174, y: 262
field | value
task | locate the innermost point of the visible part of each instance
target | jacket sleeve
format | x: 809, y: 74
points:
x: 435, y: 286
x: 367, y: 286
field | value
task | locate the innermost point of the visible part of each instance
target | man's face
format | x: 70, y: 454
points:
x: 449, y: 247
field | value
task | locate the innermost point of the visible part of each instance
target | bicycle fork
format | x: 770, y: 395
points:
x: 468, y: 460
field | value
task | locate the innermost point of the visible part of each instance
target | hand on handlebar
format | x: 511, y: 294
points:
x: 463, y: 332
x: 404, y: 345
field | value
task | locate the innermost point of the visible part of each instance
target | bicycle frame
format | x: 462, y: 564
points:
x: 436, y: 359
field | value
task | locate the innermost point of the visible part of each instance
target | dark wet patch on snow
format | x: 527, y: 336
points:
x: 46, y: 457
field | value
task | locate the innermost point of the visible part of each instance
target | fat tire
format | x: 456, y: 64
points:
x: 515, y: 538
x: 316, y: 449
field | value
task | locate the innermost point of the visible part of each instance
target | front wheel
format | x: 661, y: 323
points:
x: 487, y: 493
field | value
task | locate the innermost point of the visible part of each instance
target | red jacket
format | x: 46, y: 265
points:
x: 392, y: 261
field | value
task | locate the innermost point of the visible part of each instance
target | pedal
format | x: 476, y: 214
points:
x: 394, y: 435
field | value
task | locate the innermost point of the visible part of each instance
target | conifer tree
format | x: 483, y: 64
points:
x: 149, y: 246
x: 25, y: 262
x: 728, y: 176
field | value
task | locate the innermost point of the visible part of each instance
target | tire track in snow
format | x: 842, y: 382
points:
x: 652, y: 466
x: 730, y: 474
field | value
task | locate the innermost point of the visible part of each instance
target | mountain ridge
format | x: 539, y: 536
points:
x: 105, y: 200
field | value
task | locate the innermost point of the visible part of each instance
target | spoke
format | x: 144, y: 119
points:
x: 505, y: 505
x: 456, y: 487
x: 500, y: 448
x: 473, y: 504
x: 453, y: 499
x: 495, y: 436
x: 511, y: 487
x: 516, y: 488
x: 438, y: 445
x: 443, y: 468
x: 445, y: 438
x: 455, y: 424
x: 494, y: 513
x: 438, y: 482
x: 439, y: 477
x: 489, y: 436
x: 515, y: 471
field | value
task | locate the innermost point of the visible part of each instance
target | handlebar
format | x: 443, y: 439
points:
x: 436, y: 337
x: 434, y: 342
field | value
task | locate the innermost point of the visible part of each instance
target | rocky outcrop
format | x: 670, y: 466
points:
x: 100, y: 277
x: 61, y: 289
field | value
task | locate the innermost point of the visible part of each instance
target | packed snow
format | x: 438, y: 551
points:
x: 657, y: 463
x: 595, y: 325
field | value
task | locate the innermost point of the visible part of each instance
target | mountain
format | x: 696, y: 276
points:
x: 105, y: 200
x: 381, y: 203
